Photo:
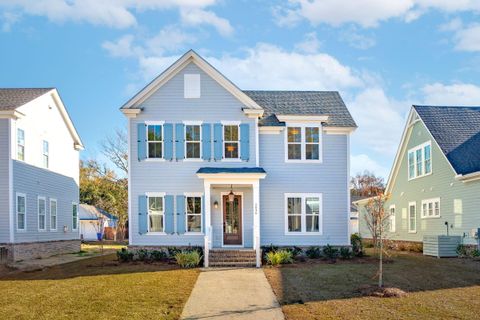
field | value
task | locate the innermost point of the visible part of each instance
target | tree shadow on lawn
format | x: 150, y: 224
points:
x: 323, y: 281
x: 103, y: 265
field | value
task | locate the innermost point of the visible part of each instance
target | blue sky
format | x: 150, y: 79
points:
x: 381, y: 55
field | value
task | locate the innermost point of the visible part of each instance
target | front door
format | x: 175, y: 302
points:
x: 232, y: 221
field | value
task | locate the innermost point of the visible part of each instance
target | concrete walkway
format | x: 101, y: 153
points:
x: 232, y: 294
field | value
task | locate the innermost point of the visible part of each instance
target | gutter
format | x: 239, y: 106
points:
x: 468, y: 177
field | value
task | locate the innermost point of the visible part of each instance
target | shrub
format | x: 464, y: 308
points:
x: 401, y: 246
x: 357, y: 244
x: 313, y: 253
x: 142, y: 255
x: 275, y: 258
x: 124, y: 255
x: 368, y: 243
x: 157, y: 255
x: 188, y: 259
x: 467, y: 251
x: 295, y: 251
x: 416, y: 247
x: 267, y: 249
x: 172, y: 251
x: 330, y: 252
x: 345, y: 253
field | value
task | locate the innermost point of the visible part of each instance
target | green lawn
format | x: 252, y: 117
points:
x: 437, y: 289
x: 96, y: 288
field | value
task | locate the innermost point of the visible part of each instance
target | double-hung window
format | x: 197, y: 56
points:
x: 391, y: 218
x: 20, y: 144
x: 194, y: 214
x: 21, y: 211
x: 303, y: 143
x: 412, y: 217
x: 420, y: 161
x: 42, y: 213
x: 231, y: 138
x: 431, y: 208
x: 156, y: 216
x: 193, y: 141
x: 74, y: 216
x: 303, y: 213
x: 53, y: 214
x: 45, y: 153
x: 155, y: 141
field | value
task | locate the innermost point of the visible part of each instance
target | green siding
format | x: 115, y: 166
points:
x: 459, y: 201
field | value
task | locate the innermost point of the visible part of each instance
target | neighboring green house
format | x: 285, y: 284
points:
x: 435, y: 179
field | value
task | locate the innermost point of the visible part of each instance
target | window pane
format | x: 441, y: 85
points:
x: 294, y: 151
x: 437, y: 209
x: 21, y: 204
x: 155, y: 204
x: 419, y: 162
x: 311, y: 134
x: 428, y: 160
x: 156, y: 222
x: 231, y: 150
x: 311, y: 152
x: 412, y: 225
x: 294, y: 223
x: 411, y: 165
x: 192, y: 133
x: 294, y: 134
x: 424, y: 209
x: 193, y: 150
x: 45, y: 147
x: 194, y: 223
x: 294, y: 205
x: 430, y: 209
x: 312, y: 223
x: 230, y: 133
x: 154, y: 149
x: 312, y: 206
x: 155, y: 133
x: 21, y: 221
x: 194, y: 205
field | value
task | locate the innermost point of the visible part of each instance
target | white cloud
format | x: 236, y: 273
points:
x: 361, y: 162
x: 123, y: 47
x: 310, y: 43
x: 196, y: 17
x: 8, y: 20
x: 366, y: 13
x: 357, y: 40
x: 454, y: 94
x: 468, y: 38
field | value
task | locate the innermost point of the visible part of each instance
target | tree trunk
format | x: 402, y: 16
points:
x: 380, y: 267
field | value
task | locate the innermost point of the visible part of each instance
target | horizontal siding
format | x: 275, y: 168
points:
x: 36, y: 182
x: 329, y: 178
x: 4, y: 181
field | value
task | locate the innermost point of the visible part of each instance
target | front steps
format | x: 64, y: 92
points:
x: 232, y: 258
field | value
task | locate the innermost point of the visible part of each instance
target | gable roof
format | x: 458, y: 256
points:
x: 457, y: 132
x: 302, y: 103
x: 89, y: 212
x: 12, y: 98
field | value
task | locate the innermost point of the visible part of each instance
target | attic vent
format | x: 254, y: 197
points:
x: 191, y: 86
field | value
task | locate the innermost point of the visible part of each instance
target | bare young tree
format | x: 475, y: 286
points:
x: 377, y: 220
x: 115, y: 148
x: 366, y: 184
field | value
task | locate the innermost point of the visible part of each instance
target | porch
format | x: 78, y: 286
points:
x: 232, y: 215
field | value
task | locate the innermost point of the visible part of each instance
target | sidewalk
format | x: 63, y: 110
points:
x: 232, y: 294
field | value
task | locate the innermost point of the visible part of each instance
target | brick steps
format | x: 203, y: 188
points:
x: 232, y: 258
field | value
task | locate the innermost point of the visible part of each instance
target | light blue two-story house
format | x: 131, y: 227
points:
x: 231, y: 170
x: 39, y: 175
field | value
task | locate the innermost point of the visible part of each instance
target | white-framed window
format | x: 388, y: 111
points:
x: 193, y: 141
x: 155, y: 141
x: 20, y: 144
x: 21, y: 206
x: 431, y: 208
x: 191, y: 86
x: 303, y: 213
x: 303, y: 143
x: 74, y: 216
x: 156, y: 213
x: 53, y: 214
x: 231, y: 141
x: 420, y: 161
x: 391, y: 218
x: 193, y: 205
x: 412, y: 217
x: 42, y: 213
x: 45, y: 153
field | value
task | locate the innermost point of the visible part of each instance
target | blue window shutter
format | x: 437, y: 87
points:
x: 181, y: 227
x: 245, y: 141
x: 169, y: 217
x: 168, y: 141
x: 218, y: 141
x: 203, y: 213
x: 142, y: 215
x: 141, y: 141
x: 206, y: 141
x: 180, y: 141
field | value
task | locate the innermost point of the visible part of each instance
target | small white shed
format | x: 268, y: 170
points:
x: 94, y: 220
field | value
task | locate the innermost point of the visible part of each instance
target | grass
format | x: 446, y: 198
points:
x: 437, y: 289
x: 96, y: 288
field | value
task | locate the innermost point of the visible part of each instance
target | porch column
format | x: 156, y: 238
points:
x: 256, y: 222
x: 208, y: 224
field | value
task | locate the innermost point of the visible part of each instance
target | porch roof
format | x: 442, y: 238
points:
x: 214, y: 170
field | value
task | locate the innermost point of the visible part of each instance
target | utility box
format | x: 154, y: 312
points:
x: 441, y: 246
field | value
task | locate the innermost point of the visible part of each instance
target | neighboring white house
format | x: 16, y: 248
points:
x: 94, y: 220
x: 39, y: 174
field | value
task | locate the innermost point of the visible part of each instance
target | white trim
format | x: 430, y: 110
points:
x: 129, y: 182
x: 270, y: 130
x: 415, y: 167
x: 63, y: 111
x: 303, y: 218
x: 11, y: 127
x: 303, y: 144
x: 424, y: 215
x: 50, y: 213
x: 200, y: 142
x: 468, y: 177
x: 202, y: 205
x: 24, y: 196
x: 230, y: 123
x: 192, y: 122
x: 38, y: 213
x: 252, y: 113
x: 257, y: 147
x: 237, y: 124
x: 412, y: 203
x: 339, y: 130
x: 78, y: 215
x: 160, y: 122
x: 225, y: 193
x: 191, y: 80
x: 162, y: 126
x: 11, y: 114
x: 231, y: 176
x: 348, y: 191
x: 131, y: 113
x: 155, y: 194
x: 392, y: 226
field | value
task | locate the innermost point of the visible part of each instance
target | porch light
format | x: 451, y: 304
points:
x: 215, y: 204
x: 231, y: 195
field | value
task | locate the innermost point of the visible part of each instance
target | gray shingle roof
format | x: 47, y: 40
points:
x: 302, y: 103
x: 457, y: 132
x: 12, y: 98
x: 230, y: 170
